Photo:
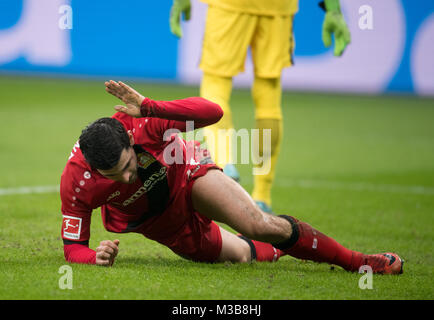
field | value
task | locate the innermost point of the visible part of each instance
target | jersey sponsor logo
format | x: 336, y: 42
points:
x: 113, y: 195
x: 144, y: 160
x: 71, y: 227
x: 147, y: 186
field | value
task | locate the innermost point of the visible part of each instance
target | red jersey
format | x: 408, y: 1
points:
x: 166, y: 163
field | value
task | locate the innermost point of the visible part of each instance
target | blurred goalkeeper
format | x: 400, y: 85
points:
x: 266, y: 26
x: 148, y: 180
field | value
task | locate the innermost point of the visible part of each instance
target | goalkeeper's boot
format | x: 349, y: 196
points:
x: 384, y: 263
x: 231, y: 172
x: 264, y: 207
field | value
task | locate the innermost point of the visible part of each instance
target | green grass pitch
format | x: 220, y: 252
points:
x: 358, y: 168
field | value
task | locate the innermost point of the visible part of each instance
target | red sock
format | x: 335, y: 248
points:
x: 316, y: 246
x: 266, y: 252
x: 262, y: 251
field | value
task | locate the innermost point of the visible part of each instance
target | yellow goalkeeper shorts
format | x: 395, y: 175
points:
x: 229, y: 34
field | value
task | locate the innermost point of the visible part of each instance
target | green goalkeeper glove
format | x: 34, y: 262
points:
x: 334, y: 23
x: 179, y: 7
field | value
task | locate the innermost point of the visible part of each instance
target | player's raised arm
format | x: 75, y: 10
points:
x: 202, y: 111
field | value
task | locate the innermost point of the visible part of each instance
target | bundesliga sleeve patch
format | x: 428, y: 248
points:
x: 71, y: 227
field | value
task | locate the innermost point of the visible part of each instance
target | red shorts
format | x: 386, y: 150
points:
x: 185, y: 231
x: 199, y: 239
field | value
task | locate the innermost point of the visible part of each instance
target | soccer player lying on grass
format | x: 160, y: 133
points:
x: 124, y: 164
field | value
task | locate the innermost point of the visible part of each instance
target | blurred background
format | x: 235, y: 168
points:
x: 391, y: 51
x: 366, y: 116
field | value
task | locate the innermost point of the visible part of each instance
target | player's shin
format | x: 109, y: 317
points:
x: 308, y: 243
x: 262, y: 251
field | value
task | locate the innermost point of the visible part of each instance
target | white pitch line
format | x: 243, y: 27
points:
x: 356, y: 186
x: 303, y: 183
x: 29, y: 190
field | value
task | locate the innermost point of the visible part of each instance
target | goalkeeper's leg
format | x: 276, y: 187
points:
x: 268, y: 114
x: 219, y: 136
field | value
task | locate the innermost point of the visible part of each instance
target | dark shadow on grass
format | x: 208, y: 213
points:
x: 286, y: 265
x: 162, y: 262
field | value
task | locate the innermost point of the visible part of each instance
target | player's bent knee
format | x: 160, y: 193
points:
x: 234, y: 249
x: 244, y: 259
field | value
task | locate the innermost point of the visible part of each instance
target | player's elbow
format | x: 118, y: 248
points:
x: 216, y: 112
x: 219, y: 112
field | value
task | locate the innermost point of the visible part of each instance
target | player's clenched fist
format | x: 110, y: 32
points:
x: 107, y: 252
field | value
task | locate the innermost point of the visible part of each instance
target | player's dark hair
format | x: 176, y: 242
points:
x: 102, y: 143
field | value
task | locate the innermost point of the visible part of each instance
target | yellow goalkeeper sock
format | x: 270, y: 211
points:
x: 263, y: 181
x: 267, y: 96
x: 219, y: 141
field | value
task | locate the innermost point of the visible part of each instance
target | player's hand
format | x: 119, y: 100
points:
x: 179, y: 7
x: 107, y: 252
x: 334, y: 23
x: 128, y: 95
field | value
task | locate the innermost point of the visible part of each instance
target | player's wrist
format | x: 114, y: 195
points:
x: 145, y: 108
